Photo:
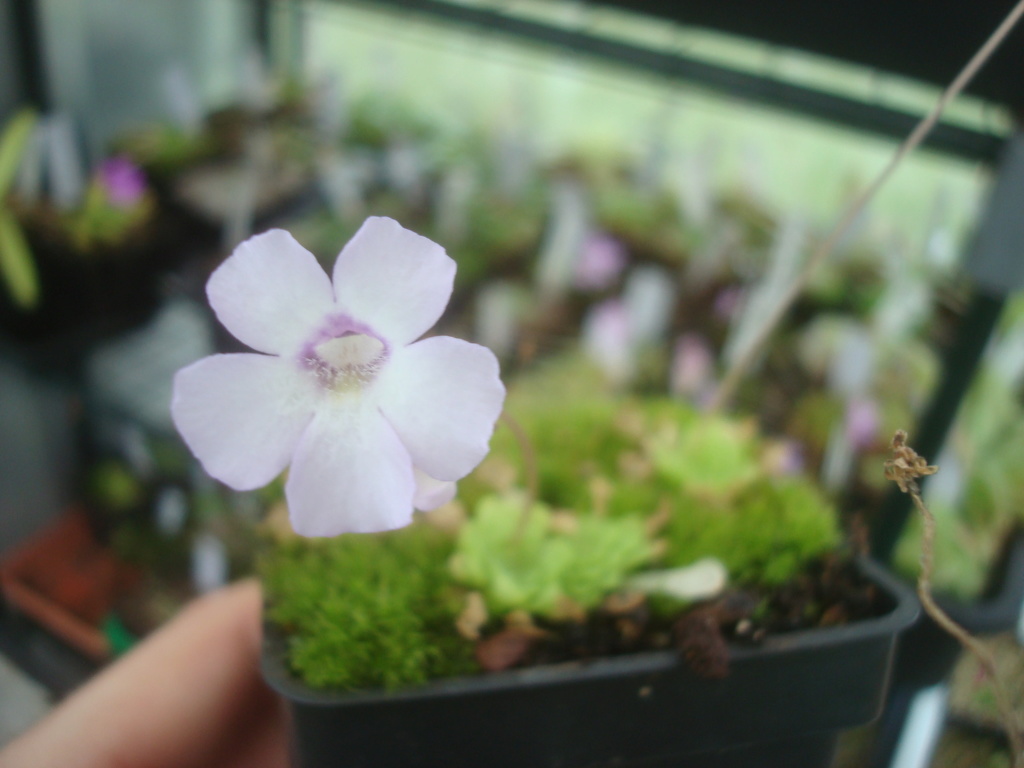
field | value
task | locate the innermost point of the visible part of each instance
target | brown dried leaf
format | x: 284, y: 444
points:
x: 473, y: 616
x: 505, y: 649
x: 906, y: 466
x: 699, y: 639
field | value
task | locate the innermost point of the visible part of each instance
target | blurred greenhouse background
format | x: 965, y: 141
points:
x: 621, y: 232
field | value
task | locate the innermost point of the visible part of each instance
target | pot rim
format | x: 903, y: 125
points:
x: 902, y: 614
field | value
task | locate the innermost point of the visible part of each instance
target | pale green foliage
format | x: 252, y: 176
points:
x: 709, y: 457
x: 988, y: 443
x: 100, y: 224
x: 659, y: 455
x: 12, y: 144
x: 17, y: 267
x: 536, y: 566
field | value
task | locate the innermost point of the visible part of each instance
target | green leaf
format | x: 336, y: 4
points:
x: 12, y: 145
x: 16, y: 264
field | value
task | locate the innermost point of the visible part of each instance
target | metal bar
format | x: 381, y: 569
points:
x: 262, y: 32
x: 958, y: 368
x: 958, y: 141
x: 994, y: 263
x: 28, y: 54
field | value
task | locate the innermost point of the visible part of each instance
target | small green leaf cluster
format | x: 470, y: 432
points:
x: 98, y: 223
x: 648, y: 456
x: 521, y: 560
x: 367, y: 611
x: 165, y: 149
x: 764, y: 536
x: 709, y: 457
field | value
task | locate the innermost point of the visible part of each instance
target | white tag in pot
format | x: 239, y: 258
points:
x: 563, y: 240
x: 209, y: 563
x: 182, y: 102
x: 171, y: 510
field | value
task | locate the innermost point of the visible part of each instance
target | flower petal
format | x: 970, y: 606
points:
x: 242, y: 415
x: 350, y: 474
x: 394, y: 280
x: 270, y: 293
x: 442, y: 396
x: 431, y: 493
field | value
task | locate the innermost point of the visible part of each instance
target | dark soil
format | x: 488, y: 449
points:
x: 830, y: 592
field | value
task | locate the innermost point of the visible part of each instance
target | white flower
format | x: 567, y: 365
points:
x: 371, y: 423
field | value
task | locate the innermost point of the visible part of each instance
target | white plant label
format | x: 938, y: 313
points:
x: 171, y: 511
x: 209, y: 563
x: 764, y: 298
x: 64, y: 162
x: 183, y: 103
x: 563, y: 240
x: 650, y: 298
x: 499, y: 311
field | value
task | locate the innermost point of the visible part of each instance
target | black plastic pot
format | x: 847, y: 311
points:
x: 89, y: 298
x: 782, y: 704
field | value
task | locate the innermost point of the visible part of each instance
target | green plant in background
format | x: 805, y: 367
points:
x: 17, y: 267
x: 765, y: 536
x: 647, y: 220
x: 377, y: 119
x: 985, y: 500
x: 711, y: 458
x: 367, y: 611
x: 114, y: 488
x: 116, y: 203
x: 645, y: 458
x: 166, y: 149
x: 549, y: 565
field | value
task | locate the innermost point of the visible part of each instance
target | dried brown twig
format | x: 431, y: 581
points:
x: 747, y: 357
x: 905, y: 468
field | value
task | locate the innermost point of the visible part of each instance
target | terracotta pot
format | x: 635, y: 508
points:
x: 67, y: 582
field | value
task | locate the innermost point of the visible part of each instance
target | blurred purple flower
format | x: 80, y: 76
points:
x: 862, y: 423
x: 693, y: 367
x: 122, y: 180
x: 602, y: 259
x: 608, y: 340
x: 787, y: 457
x: 728, y: 301
x: 372, y: 422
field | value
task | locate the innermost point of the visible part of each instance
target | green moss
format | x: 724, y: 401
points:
x: 538, y: 566
x: 765, y: 536
x: 640, y: 457
x: 367, y: 611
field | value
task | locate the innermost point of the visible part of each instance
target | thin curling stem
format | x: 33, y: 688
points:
x: 970, y: 643
x: 905, y: 468
x: 734, y: 375
x: 529, y: 466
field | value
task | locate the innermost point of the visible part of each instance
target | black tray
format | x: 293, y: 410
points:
x: 782, y: 704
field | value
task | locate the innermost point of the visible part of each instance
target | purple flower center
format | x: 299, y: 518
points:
x: 345, y: 355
